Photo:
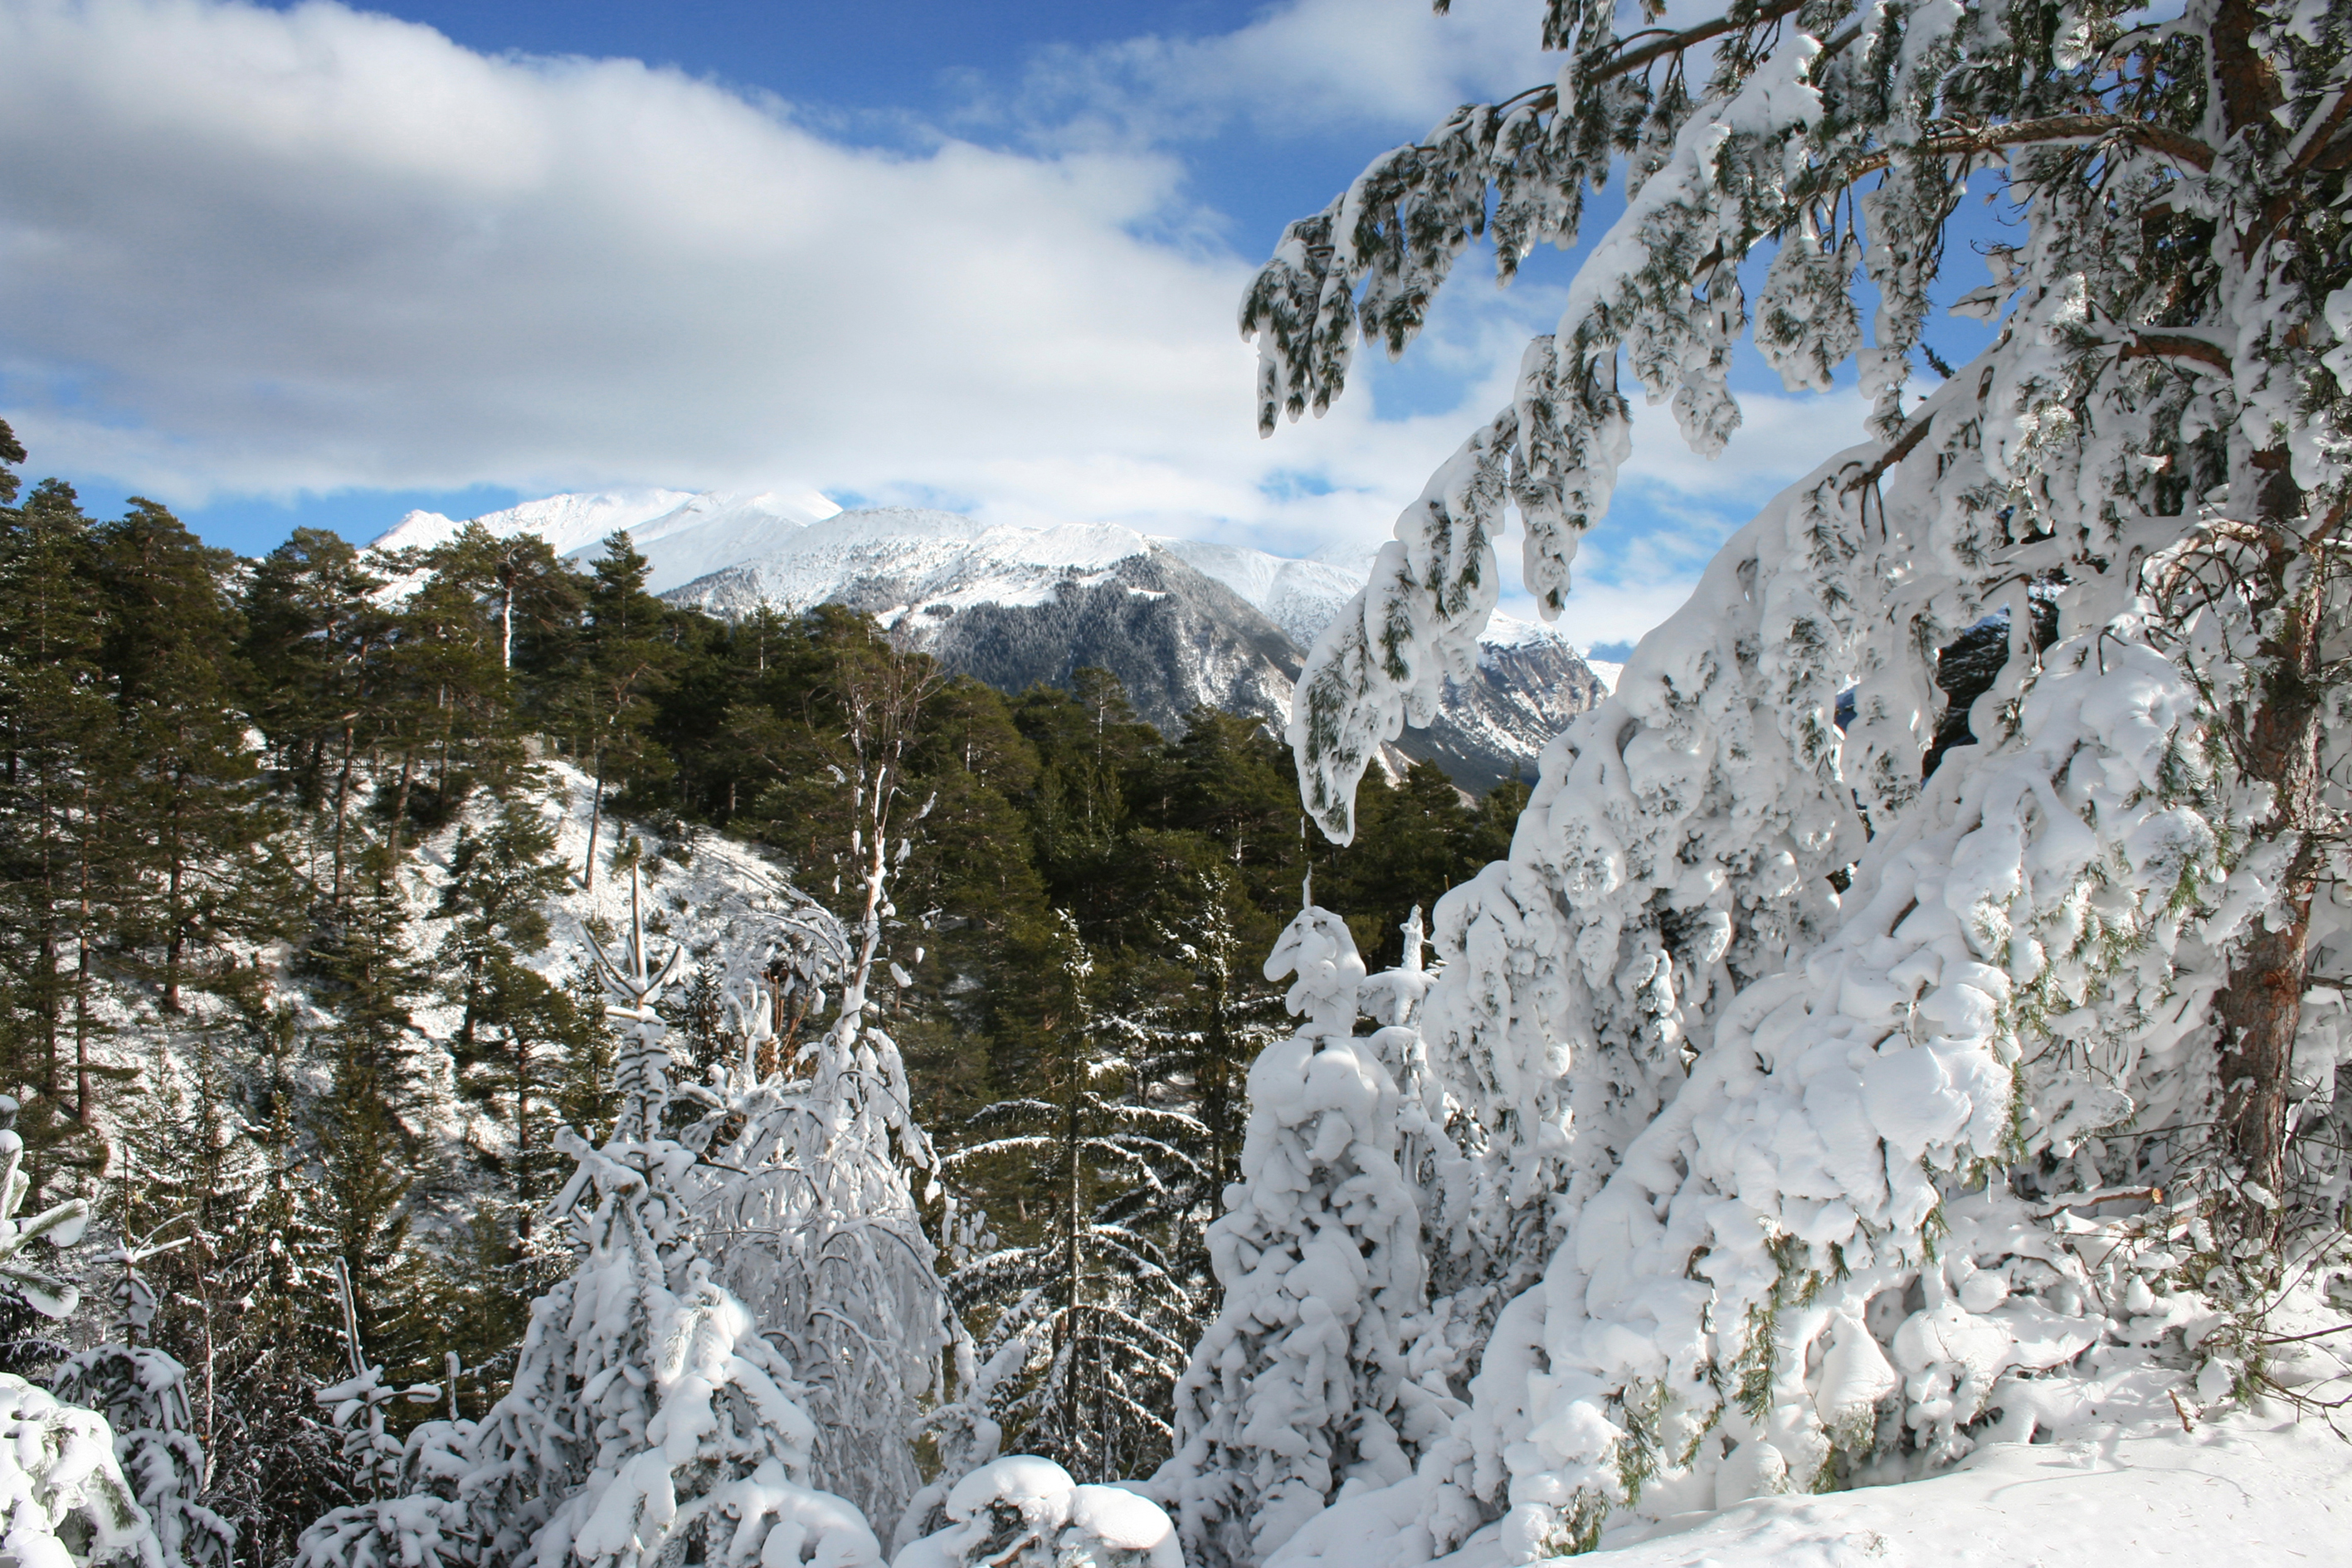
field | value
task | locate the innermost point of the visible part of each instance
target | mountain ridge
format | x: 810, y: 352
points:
x: 1180, y: 622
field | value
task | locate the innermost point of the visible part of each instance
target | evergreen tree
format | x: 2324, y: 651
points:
x: 58, y: 730
x: 645, y: 1417
x: 403, y: 1510
x: 516, y: 577
x: 142, y: 1391
x: 517, y: 1028
x: 279, y: 1337
x: 1226, y: 779
x: 815, y: 1225
x: 624, y: 660
x: 319, y: 643
x: 192, y: 822
x: 367, y: 1127
x: 1203, y: 1018
x: 449, y: 709
x: 1089, y: 1294
x: 1300, y: 1385
x: 1089, y: 743
x: 63, y: 1498
x: 1414, y: 840
x: 1759, y: 1024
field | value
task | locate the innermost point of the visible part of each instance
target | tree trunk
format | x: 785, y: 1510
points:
x: 175, y: 946
x: 342, y: 806
x: 2261, y: 1008
x: 522, y: 1134
x: 400, y: 806
x: 1073, y: 1262
x: 82, y: 978
x: 595, y: 824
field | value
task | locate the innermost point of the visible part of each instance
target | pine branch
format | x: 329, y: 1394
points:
x: 2176, y: 345
x: 2055, y: 127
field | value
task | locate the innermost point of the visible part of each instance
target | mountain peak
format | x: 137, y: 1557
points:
x: 1181, y: 621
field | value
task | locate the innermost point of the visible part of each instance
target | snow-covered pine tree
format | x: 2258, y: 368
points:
x: 142, y: 1390
x: 406, y: 1512
x: 277, y: 1332
x: 647, y: 1420
x: 1779, y: 1072
x: 64, y: 1502
x: 820, y: 1235
x: 1300, y: 1386
x: 644, y: 1418
x: 517, y: 1023
x: 634, y: 984
x: 1193, y: 1049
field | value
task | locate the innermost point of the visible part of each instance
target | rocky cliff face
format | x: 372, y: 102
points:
x: 1017, y: 608
x: 1176, y: 638
x: 1526, y: 691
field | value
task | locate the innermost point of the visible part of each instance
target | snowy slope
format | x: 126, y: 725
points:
x: 567, y: 523
x: 681, y: 534
x: 2097, y: 1473
x: 894, y: 561
x: 716, y: 896
x: 2246, y: 1491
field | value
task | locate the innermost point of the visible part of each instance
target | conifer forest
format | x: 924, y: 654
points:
x: 501, y: 1068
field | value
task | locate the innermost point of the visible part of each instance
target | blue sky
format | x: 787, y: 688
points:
x: 320, y: 265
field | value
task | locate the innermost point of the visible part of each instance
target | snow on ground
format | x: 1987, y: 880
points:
x: 2245, y: 1491
x: 712, y: 892
x: 2099, y: 1473
x: 718, y: 897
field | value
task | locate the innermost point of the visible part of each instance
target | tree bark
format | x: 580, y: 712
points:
x: 595, y: 825
x: 2261, y: 1009
x: 342, y: 806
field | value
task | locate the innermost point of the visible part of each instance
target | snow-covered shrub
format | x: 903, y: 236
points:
x: 1300, y: 1385
x: 720, y: 1469
x: 142, y: 1392
x: 633, y: 983
x: 647, y: 1420
x: 811, y: 1217
x: 644, y: 1413
x: 1026, y: 1512
x: 63, y: 1499
x: 407, y: 1514
x: 64, y: 1502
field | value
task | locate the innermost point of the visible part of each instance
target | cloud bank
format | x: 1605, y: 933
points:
x: 253, y: 252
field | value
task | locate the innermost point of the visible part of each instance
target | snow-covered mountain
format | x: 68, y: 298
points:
x: 1181, y: 621
x: 682, y: 535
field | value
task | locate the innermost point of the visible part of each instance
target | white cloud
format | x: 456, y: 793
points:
x: 1310, y: 67
x: 245, y: 251
x: 250, y: 251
